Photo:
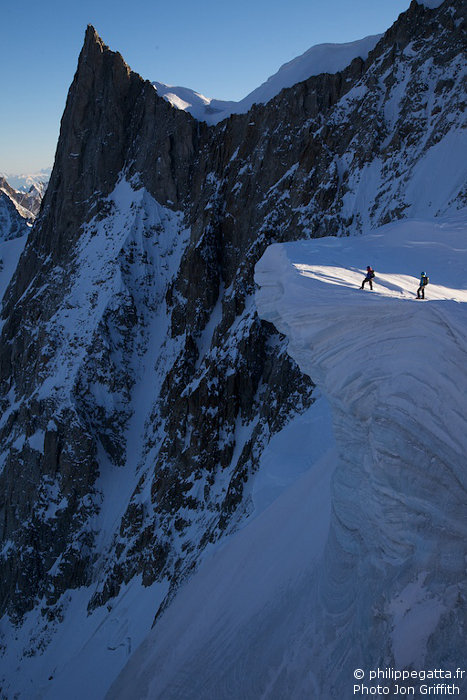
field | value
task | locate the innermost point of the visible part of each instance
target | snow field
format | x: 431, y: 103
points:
x: 394, y: 371
x: 234, y: 628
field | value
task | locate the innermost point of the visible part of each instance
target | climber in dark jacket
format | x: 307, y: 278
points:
x: 423, y: 284
x: 369, y: 277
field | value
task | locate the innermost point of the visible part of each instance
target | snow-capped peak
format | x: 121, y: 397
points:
x: 24, y: 181
x: 322, y: 58
x: 183, y: 98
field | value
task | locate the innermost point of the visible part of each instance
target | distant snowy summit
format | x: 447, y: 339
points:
x: 27, y: 182
x: 322, y: 58
x: 20, y: 202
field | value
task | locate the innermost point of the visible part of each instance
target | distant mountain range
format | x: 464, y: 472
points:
x: 24, y: 181
x: 19, y: 207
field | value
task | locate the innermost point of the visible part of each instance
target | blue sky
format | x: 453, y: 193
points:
x: 222, y: 50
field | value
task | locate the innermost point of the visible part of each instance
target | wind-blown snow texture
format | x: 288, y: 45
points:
x: 370, y: 572
x: 147, y: 412
x: 395, y: 372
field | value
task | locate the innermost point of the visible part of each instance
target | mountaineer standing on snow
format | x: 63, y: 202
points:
x: 424, y: 279
x: 369, y: 277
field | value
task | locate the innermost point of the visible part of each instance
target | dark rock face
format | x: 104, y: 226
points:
x: 97, y: 283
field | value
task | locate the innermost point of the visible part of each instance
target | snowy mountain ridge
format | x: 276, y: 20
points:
x: 147, y: 413
x: 323, y: 58
x: 394, y: 370
x: 22, y: 182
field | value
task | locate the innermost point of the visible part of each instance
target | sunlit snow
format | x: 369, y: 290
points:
x: 323, y: 58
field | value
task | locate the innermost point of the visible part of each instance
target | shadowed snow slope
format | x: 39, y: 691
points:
x: 235, y: 628
x: 360, y: 562
x: 394, y: 371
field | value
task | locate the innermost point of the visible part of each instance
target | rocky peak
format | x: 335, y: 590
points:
x: 92, y: 143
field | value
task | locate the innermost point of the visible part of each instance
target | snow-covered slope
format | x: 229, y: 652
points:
x: 323, y: 58
x: 17, y: 212
x: 10, y: 251
x: 234, y: 630
x: 13, y: 218
x: 369, y: 572
x: 395, y: 372
x: 137, y: 246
